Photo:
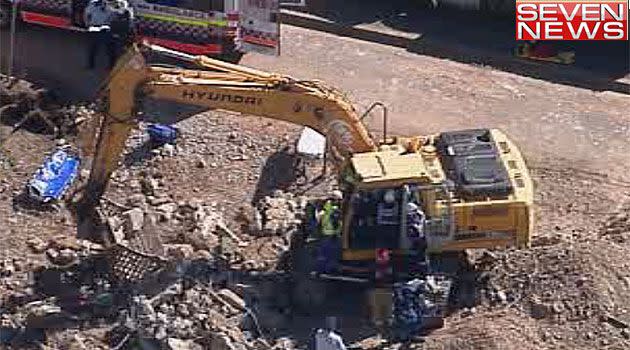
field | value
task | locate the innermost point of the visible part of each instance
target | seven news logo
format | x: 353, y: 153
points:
x: 571, y: 20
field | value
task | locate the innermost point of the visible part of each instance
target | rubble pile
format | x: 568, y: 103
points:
x: 565, y: 286
x: 281, y: 213
x: 198, y: 316
x: 21, y: 103
x: 196, y: 228
x: 205, y: 308
x: 5, y: 162
x: 533, y: 285
x: 63, y: 250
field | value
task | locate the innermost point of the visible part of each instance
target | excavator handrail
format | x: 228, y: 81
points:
x: 374, y: 105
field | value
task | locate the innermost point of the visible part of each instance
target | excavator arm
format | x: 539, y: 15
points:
x: 220, y: 86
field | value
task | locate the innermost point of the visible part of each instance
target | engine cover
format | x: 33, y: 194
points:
x: 471, y: 160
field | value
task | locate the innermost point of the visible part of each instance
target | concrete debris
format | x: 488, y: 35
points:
x: 24, y: 104
x: 203, y: 254
x: 7, y: 268
x: 284, y: 343
x: 137, y: 200
x: 157, y: 201
x: 119, y: 236
x: 62, y: 257
x: 467, y: 312
x: 281, y: 213
x: 226, y: 230
x: 215, y: 319
x: 186, y: 319
x: 207, y: 224
x: 179, y: 251
x: 169, y: 208
x: 501, y: 296
x: 232, y: 298
x: 168, y: 150
x: 115, y: 223
x: 43, y: 315
x: 37, y: 245
x: 77, y: 343
x: 178, y: 344
x: 66, y: 242
x: 150, y: 186
x: 134, y: 219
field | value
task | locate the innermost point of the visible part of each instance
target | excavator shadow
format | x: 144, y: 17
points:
x: 278, y: 173
x: 287, y: 170
x: 139, y: 154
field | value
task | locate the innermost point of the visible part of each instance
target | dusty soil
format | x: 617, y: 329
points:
x: 569, y: 291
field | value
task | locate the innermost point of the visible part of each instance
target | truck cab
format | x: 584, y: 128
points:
x: 224, y: 28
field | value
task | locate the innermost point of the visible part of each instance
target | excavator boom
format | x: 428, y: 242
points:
x: 221, y: 86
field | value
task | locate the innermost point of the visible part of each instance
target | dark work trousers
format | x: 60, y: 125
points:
x: 98, y: 40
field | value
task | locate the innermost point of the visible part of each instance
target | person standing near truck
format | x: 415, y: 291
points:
x: 122, y: 26
x: 98, y: 17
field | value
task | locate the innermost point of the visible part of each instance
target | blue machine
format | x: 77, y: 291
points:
x: 55, y: 176
x: 161, y: 134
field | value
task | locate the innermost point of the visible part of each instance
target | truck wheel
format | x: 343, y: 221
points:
x: 5, y: 16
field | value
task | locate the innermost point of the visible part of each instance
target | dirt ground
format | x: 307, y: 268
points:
x: 570, y: 291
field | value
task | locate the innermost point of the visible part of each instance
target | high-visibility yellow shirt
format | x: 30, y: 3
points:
x: 329, y: 226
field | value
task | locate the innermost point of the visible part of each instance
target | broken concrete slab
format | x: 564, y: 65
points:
x: 135, y: 219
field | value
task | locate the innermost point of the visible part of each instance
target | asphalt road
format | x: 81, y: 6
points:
x: 553, y: 123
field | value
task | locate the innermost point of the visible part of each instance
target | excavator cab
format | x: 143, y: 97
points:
x: 394, y: 218
x: 459, y: 190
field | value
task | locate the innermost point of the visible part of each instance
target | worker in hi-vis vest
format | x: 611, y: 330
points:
x: 329, y: 252
x: 330, y: 220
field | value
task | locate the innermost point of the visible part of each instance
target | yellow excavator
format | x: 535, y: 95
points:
x: 471, y: 188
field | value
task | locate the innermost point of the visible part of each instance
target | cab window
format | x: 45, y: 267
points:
x: 376, y: 219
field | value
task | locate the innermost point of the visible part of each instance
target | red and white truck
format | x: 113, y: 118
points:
x: 206, y: 27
